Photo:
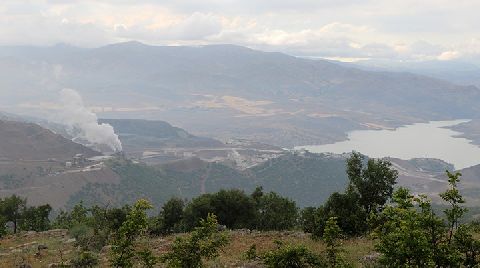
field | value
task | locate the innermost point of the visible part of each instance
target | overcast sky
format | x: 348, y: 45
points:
x: 346, y: 29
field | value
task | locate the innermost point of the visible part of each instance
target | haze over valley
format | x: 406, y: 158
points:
x: 239, y: 133
x: 243, y: 108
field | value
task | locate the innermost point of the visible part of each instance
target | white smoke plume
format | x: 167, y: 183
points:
x: 83, y: 123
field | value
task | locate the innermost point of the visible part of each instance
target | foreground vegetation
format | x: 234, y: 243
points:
x: 369, y: 224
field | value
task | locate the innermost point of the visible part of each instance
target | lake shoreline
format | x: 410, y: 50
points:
x: 435, y: 139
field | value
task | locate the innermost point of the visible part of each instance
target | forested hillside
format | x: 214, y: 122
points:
x: 308, y: 178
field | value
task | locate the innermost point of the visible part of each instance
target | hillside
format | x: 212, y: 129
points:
x: 308, y: 179
x: 26, y: 141
x: 469, y: 130
x: 33, y: 164
x: 226, y: 91
x: 138, y: 136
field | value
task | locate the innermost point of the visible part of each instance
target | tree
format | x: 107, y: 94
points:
x: 455, y: 199
x: 66, y: 220
x: 198, y: 209
x: 345, y: 207
x: 373, y: 183
x: 411, y: 234
x: 123, y: 246
x: 170, y: 217
x: 257, y: 194
x: 3, y: 228
x: 307, y: 219
x: 467, y: 245
x: 331, y: 235
x: 276, y: 213
x: 36, y: 218
x: 202, y: 243
x: 12, y: 208
x: 99, y: 226
x: 110, y: 219
x: 233, y: 208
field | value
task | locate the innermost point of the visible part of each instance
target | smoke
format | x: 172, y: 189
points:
x: 83, y: 124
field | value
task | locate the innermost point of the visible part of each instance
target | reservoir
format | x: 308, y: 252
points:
x: 421, y: 140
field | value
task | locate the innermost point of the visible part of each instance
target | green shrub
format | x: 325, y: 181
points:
x: 203, y: 242
x: 292, y: 256
x: 123, y: 245
x: 87, y: 238
x: 85, y: 259
x: 251, y: 253
x: 411, y: 234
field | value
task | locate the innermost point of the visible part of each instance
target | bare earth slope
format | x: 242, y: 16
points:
x: 25, y: 141
x: 32, y: 165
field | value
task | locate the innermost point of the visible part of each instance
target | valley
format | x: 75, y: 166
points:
x: 245, y: 110
x: 160, y: 161
x: 231, y: 92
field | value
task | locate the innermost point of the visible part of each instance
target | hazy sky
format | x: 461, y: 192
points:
x: 390, y: 29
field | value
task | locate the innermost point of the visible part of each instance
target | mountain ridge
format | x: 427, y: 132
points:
x: 226, y: 91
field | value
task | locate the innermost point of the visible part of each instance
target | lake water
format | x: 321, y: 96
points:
x: 428, y: 140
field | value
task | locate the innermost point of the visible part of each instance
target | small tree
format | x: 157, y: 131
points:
x: 36, y: 218
x: 170, y: 216
x: 350, y: 216
x: 66, y: 220
x: 307, y: 219
x: 276, y: 213
x: 3, y: 228
x: 11, y: 208
x: 202, y: 243
x: 373, y: 183
x: 123, y: 246
x: 455, y: 199
x: 331, y: 236
x: 410, y: 234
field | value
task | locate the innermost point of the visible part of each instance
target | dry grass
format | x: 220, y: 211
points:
x: 16, y: 250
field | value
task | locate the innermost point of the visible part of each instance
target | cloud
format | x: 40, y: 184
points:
x: 396, y: 29
x: 449, y: 55
x: 197, y: 26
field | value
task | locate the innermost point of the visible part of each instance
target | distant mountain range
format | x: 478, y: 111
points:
x: 458, y: 72
x: 226, y: 91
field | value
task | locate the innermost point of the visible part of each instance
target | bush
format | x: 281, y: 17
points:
x: 202, y: 243
x: 85, y: 259
x: 251, y: 253
x: 292, y: 256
